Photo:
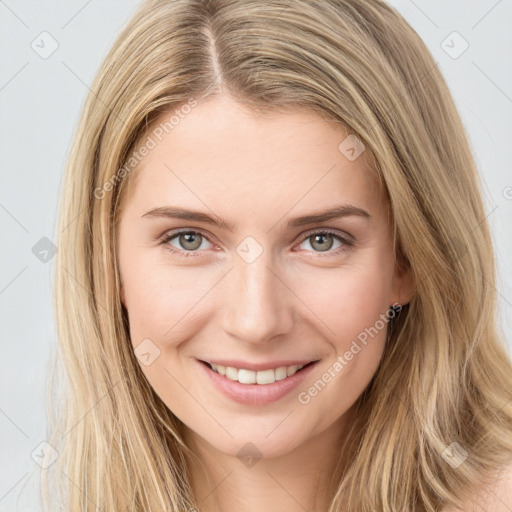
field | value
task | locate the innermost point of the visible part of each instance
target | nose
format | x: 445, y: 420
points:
x: 257, y: 303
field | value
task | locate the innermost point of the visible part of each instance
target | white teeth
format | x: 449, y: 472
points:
x: 231, y: 373
x: 291, y: 370
x: 252, y: 377
x: 281, y: 373
x: 246, y: 377
x: 266, y: 377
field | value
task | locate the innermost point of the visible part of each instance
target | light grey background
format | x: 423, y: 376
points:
x: 40, y: 102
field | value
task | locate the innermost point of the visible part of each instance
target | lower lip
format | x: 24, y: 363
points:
x: 256, y: 394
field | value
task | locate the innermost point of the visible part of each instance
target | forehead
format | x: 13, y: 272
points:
x: 223, y: 155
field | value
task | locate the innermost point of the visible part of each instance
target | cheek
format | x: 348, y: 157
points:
x: 163, y: 302
x: 360, y: 307
x: 351, y: 313
x: 347, y: 300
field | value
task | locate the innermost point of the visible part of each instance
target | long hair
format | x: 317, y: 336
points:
x: 444, y: 384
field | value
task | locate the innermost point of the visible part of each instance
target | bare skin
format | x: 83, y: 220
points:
x: 301, y: 298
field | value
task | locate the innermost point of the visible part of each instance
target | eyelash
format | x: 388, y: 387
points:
x: 347, y: 243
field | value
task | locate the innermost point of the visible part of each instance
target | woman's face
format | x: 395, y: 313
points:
x: 252, y: 283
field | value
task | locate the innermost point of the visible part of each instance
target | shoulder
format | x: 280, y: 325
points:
x: 494, y: 498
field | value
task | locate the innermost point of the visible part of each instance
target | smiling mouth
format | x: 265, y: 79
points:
x: 244, y: 376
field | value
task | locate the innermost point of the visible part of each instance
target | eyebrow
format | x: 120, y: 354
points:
x: 344, y: 210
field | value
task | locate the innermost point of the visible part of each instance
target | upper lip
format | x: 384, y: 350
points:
x: 271, y: 365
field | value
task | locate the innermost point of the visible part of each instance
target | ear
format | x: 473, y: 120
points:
x: 402, y: 286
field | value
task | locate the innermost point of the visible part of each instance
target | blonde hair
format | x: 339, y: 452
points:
x: 445, y: 375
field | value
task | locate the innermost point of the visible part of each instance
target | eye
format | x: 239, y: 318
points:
x: 323, y: 241
x: 189, y: 242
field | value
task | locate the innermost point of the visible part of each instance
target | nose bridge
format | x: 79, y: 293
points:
x: 258, y: 304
